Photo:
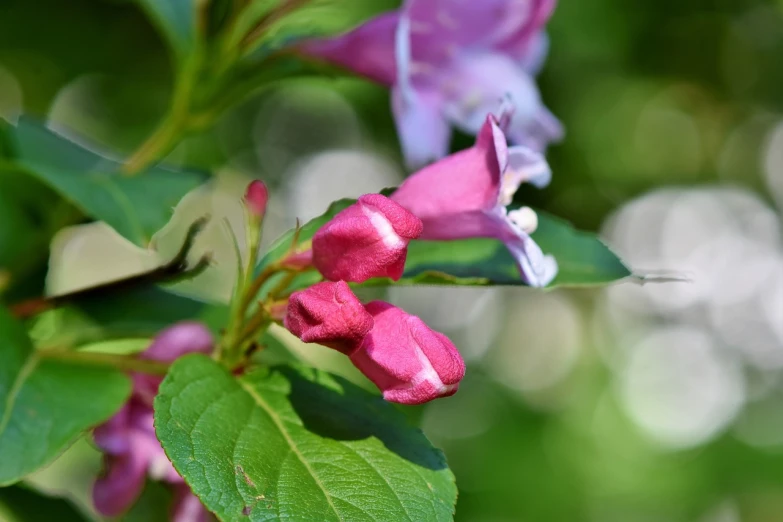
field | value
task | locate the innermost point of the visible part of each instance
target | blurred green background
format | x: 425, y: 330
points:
x: 654, y: 403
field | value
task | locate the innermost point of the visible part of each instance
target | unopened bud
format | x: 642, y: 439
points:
x: 179, y: 339
x: 256, y: 198
x: 328, y: 314
x: 368, y: 239
x: 408, y: 361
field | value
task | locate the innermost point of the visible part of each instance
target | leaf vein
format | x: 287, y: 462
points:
x: 382, y: 477
x: 16, y: 387
x: 124, y: 203
x: 291, y: 444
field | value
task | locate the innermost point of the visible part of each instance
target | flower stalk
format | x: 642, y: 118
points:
x: 121, y: 362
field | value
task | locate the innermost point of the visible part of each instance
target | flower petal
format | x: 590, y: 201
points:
x: 527, y: 166
x: 466, y: 181
x: 179, y: 339
x: 480, y: 84
x: 520, y: 43
x: 537, y: 269
x: 113, y: 435
x: 120, y: 486
x: 533, y: 59
x: 367, y: 50
x: 536, y: 132
x: 438, y: 27
x: 187, y: 507
x: 423, y: 131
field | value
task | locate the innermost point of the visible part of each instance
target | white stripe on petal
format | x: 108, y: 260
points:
x: 384, y: 228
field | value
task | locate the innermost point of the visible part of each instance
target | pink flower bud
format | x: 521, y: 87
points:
x: 368, y: 239
x: 329, y: 314
x: 178, y: 340
x: 256, y: 197
x: 173, y: 342
x: 408, y: 361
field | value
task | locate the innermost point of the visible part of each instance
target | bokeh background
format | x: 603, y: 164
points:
x: 660, y: 402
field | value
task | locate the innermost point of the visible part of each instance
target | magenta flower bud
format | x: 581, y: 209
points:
x: 328, y: 314
x: 178, y: 340
x: 409, y: 362
x: 256, y: 198
x: 173, y: 342
x: 368, y: 239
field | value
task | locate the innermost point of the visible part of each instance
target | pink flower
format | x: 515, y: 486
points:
x: 256, y: 198
x: 368, y: 239
x: 450, y: 62
x: 131, y: 450
x: 177, y: 340
x: 465, y: 195
x: 408, y: 361
x: 329, y: 314
x: 173, y: 342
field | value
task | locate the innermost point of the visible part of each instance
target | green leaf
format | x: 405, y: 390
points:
x: 45, y: 405
x: 7, y: 150
x: 23, y: 504
x: 177, y: 20
x: 582, y: 258
x: 297, y: 444
x: 135, y: 206
x: 30, y: 214
x: 132, y: 313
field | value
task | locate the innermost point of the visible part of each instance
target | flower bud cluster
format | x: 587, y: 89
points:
x: 408, y: 361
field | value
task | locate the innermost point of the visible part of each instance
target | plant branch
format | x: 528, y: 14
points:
x: 122, y: 362
x: 174, y: 124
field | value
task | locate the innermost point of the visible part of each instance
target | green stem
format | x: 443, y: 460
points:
x: 160, y: 143
x: 258, y: 323
x: 122, y: 362
x: 173, y: 126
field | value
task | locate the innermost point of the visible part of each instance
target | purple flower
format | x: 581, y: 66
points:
x: 465, y: 195
x: 450, y: 63
x: 131, y: 450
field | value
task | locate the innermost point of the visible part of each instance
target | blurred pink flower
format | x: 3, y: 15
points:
x: 368, y: 239
x: 409, y: 362
x: 450, y: 63
x: 131, y: 450
x: 465, y: 195
x: 329, y: 314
